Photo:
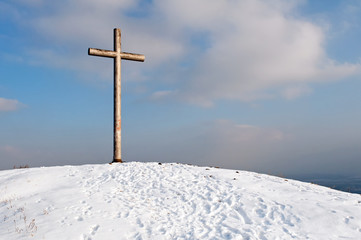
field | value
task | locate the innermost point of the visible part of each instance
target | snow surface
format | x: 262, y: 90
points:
x: 169, y: 201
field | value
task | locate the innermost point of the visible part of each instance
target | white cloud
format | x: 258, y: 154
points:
x: 65, y: 35
x: 256, y: 49
x: 247, y: 50
x: 209, y: 143
x: 275, y: 150
x: 11, y: 155
x: 9, y: 150
x: 296, y: 91
x: 7, y: 105
x: 160, y: 94
x: 256, y: 46
x: 227, y: 132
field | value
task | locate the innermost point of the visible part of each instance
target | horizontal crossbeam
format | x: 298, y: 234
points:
x: 101, y: 52
x: 113, y: 54
x: 132, y: 56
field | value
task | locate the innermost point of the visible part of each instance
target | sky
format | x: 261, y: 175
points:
x: 267, y: 86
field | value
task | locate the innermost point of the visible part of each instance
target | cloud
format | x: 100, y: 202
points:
x: 220, y: 142
x: 235, y: 50
x: 65, y: 31
x: 21, y: 155
x: 9, y: 150
x: 296, y: 91
x: 160, y: 94
x: 7, y: 105
x: 255, y: 47
x: 255, y: 50
x: 275, y: 150
x: 11, y: 156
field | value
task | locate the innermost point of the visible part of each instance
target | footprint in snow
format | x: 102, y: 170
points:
x: 94, y: 229
x: 85, y: 237
x: 139, y: 222
x: 347, y: 219
x: 260, y: 213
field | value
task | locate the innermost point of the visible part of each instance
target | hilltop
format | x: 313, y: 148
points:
x: 169, y: 201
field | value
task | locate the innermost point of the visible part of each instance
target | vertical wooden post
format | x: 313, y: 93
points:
x: 117, y: 99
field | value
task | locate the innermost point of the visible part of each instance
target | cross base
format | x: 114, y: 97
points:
x: 117, y: 160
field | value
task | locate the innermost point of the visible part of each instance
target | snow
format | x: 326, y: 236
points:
x: 169, y: 201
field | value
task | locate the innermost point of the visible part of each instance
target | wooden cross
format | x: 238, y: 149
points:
x: 117, y: 54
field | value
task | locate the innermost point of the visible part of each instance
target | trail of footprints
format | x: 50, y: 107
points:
x: 169, y: 207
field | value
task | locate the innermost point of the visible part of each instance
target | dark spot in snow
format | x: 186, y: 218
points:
x: 234, y: 178
x: 207, y: 168
x: 237, y: 172
x: 159, y: 163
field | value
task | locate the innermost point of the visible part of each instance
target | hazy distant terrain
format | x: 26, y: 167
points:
x: 343, y: 183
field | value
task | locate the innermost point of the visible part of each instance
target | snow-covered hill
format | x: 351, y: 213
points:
x: 169, y: 201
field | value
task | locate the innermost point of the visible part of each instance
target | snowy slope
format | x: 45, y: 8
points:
x: 169, y: 201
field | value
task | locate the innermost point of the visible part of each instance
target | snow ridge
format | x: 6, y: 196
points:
x: 169, y: 201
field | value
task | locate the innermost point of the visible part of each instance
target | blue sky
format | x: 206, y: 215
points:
x: 267, y: 86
